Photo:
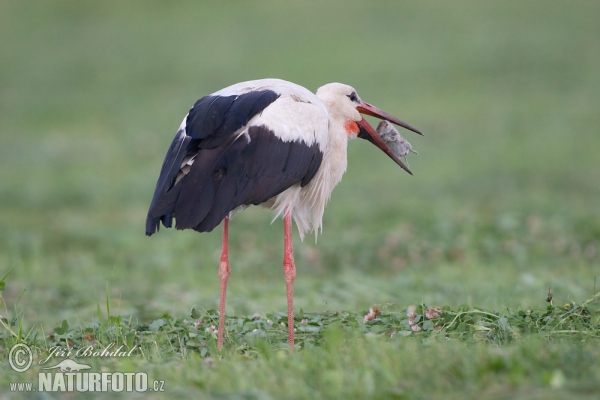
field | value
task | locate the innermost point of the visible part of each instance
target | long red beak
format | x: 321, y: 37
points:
x: 367, y: 132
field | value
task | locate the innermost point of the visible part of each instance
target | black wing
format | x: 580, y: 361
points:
x: 229, y: 168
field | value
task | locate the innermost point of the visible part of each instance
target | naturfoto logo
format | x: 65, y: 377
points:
x: 69, y: 375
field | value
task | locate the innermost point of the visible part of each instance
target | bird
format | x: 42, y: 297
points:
x: 265, y: 142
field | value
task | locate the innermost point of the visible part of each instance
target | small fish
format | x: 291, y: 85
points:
x: 397, y: 144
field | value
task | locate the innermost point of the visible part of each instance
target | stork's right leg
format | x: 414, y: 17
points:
x: 223, y: 275
x: 289, y: 273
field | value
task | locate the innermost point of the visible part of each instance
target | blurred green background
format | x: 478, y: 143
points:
x: 504, y: 202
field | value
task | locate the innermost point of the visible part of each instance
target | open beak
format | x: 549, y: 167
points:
x: 367, y: 132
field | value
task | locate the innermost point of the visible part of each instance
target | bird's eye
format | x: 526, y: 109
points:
x: 353, y: 96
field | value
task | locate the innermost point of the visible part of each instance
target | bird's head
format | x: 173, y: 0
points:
x: 343, y: 103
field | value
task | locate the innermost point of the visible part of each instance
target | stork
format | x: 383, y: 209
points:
x: 265, y: 142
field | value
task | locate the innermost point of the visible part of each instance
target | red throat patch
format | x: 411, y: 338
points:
x: 351, y: 127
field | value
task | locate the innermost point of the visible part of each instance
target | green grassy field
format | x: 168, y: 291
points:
x: 503, y: 205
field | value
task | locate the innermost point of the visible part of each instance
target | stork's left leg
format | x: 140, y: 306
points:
x: 223, y: 276
x: 289, y: 272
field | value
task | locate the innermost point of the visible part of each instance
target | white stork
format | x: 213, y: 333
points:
x: 267, y: 142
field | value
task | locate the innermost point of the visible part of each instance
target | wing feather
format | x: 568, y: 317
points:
x: 229, y: 162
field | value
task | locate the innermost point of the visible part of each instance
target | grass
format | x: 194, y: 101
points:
x: 503, y: 205
x: 387, y: 353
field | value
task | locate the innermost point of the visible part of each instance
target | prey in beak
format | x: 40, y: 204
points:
x: 367, y: 132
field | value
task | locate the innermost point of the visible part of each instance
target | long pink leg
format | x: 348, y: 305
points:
x: 289, y: 272
x: 223, y: 275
